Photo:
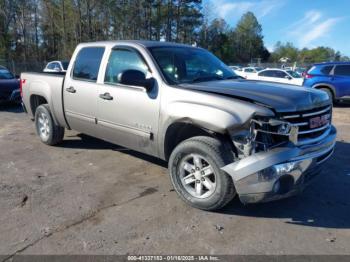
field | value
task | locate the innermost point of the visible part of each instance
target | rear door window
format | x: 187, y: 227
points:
x: 266, y: 73
x: 342, y: 70
x: 87, y: 63
x: 326, y: 70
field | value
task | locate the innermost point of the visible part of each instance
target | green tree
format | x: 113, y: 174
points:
x: 248, y: 38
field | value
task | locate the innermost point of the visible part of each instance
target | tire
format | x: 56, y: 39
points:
x: 49, y: 133
x: 212, y: 155
x: 330, y: 94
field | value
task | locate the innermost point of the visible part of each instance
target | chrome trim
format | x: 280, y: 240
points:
x: 300, y: 124
x: 305, y: 141
x: 290, y: 116
x: 317, y: 113
x: 314, y: 130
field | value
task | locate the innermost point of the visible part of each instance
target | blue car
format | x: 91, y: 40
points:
x: 9, y: 87
x: 332, y: 77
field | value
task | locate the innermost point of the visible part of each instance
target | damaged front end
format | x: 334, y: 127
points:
x: 278, y: 156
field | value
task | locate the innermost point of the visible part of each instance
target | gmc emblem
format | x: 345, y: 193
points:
x: 319, y: 121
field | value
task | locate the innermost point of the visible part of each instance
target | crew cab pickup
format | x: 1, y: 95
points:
x: 221, y: 136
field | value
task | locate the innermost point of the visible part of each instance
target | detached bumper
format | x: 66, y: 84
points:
x: 280, y: 172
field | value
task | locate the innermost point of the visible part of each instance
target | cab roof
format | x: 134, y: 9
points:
x: 144, y: 43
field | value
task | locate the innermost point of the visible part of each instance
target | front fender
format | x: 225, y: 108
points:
x: 214, y: 119
x: 220, y: 117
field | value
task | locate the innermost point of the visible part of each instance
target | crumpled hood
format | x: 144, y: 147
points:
x: 280, y: 97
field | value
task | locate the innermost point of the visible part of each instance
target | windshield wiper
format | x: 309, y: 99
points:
x: 206, y: 78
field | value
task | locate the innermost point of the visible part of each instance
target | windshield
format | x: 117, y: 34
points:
x: 65, y: 65
x: 5, y: 74
x: 293, y: 74
x: 188, y: 65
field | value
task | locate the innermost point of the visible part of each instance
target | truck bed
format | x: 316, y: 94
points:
x: 49, y: 87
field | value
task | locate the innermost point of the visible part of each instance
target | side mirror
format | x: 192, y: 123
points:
x: 57, y: 69
x: 135, y: 78
x: 288, y: 77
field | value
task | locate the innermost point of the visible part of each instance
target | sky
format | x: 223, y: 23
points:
x: 305, y: 23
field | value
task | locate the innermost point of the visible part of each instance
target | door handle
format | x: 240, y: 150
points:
x: 71, y: 90
x: 106, y: 96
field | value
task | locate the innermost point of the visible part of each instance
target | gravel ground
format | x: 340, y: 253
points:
x: 87, y: 196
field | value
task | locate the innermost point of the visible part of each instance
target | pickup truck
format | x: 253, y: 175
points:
x: 222, y: 136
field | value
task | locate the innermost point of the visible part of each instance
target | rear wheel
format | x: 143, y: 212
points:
x: 47, y: 130
x: 195, y: 173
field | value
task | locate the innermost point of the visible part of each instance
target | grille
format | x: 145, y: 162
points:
x: 313, y: 124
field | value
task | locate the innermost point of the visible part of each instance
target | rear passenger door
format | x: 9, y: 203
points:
x: 281, y: 77
x: 80, y: 91
x: 341, y: 80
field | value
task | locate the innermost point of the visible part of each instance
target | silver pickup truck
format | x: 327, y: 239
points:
x: 221, y: 135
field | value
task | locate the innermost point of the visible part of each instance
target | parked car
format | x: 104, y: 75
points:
x: 332, y: 77
x: 56, y: 66
x: 220, y: 135
x: 235, y: 68
x: 248, y: 72
x: 9, y: 87
x: 300, y: 70
x: 279, y: 76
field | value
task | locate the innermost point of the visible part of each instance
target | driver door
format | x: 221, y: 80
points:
x: 128, y: 115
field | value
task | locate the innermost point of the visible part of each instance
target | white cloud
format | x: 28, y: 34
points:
x: 228, y: 9
x: 312, y: 27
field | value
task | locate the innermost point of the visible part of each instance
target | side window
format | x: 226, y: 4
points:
x: 342, y: 70
x: 280, y: 74
x: 326, y: 70
x: 88, y: 63
x: 266, y: 73
x: 56, y: 66
x: 121, y: 60
x: 249, y: 70
x: 51, y: 66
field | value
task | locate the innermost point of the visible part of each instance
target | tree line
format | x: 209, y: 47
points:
x: 42, y: 30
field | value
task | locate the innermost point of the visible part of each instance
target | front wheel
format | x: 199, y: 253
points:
x: 195, y: 172
x: 49, y: 133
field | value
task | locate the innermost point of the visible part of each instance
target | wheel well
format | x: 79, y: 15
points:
x: 178, y: 132
x: 326, y: 87
x: 35, y: 101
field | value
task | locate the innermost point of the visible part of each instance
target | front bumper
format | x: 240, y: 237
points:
x: 280, y: 172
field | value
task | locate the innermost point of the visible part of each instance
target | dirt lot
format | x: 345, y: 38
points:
x: 91, y: 197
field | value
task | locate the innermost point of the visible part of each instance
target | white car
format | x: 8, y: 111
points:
x: 279, y: 76
x: 235, y: 68
x: 56, y: 66
x: 248, y: 72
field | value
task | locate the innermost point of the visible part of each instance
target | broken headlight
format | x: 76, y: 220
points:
x: 264, y: 134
